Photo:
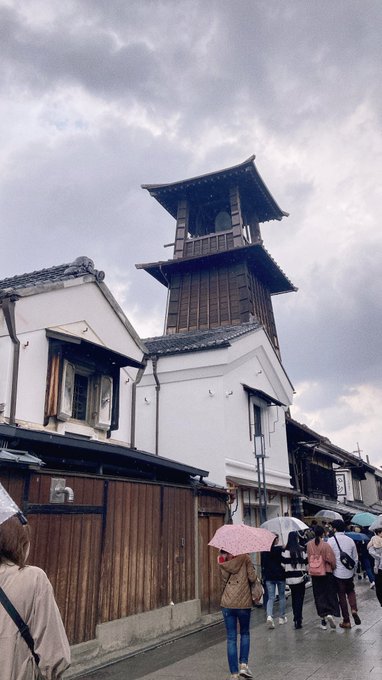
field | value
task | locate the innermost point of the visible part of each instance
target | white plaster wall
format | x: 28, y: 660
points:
x: 81, y: 310
x: 211, y: 431
x: 6, y: 354
x: 369, y: 489
x: 73, y: 304
x: 252, y: 361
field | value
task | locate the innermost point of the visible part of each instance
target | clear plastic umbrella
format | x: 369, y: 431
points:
x: 282, y: 526
x: 328, y: 514
x: 8, y: 507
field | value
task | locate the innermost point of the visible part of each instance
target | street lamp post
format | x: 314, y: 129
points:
x: 261, y: 481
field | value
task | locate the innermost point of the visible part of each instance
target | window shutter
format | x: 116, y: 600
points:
x: 105, y: 402
x: 65, y: 405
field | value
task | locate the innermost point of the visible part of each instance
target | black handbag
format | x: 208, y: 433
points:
x: 345, y: 559
x: 20, y: 623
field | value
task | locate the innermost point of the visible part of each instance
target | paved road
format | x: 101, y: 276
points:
x: 307, y: 654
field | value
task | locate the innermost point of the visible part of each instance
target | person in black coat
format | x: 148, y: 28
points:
x: 274, y: 577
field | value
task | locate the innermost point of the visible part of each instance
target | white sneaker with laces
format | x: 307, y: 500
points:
x: 270, y: 622
x: 331, y: 621
x: 244, y: 671
x: 282, y: 619
x: 372, y: 584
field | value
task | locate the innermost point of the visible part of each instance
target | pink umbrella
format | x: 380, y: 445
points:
x: 238, y: 539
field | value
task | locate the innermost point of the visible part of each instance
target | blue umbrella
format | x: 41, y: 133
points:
x: 364, y: 519
x: 357, y: 536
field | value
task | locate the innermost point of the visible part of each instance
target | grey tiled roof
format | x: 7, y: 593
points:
x: 62, y: 272
x: 198, y: 340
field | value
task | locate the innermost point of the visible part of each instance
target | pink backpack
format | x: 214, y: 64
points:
x: 316, y: 565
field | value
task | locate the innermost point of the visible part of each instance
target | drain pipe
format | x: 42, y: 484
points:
x: 8, y: 305
x: 134, y: 401
x: 154, y: 360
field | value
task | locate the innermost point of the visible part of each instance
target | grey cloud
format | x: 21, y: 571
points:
x: 335, y: 335
x: 268, y: 77
x: 284, y: 62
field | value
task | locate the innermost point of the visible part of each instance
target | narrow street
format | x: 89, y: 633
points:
x: 275, y: 654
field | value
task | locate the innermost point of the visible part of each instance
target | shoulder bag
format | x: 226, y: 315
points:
x: 257, y: 591
x: 20, y: 623
x: 345, y: 559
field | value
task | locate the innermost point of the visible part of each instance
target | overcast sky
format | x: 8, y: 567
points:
x: 100, y: 96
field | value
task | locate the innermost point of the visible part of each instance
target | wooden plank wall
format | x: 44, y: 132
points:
x: 263, y: 310
x: 68, y: 548
x: 122, y: 548
x: 208, y: 298
x: 212, y: 513
x: 148, y: 559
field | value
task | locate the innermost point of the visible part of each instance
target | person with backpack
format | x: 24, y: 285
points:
x: 321, y: 564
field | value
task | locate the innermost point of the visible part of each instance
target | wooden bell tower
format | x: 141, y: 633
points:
x: 220, y: 273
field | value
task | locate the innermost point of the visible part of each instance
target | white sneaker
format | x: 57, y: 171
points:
x: 282, y: 619
x: 331, y: 621
x: 372, y: 585
x: 270, y: 622
x: 244, y: 671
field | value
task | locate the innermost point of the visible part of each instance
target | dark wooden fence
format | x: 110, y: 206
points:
x: 123, y: 547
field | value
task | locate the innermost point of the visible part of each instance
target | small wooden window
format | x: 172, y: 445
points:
x: 80, y: 396
x: 65, y: 405
x: 86, y: 396
x: 104, y: 402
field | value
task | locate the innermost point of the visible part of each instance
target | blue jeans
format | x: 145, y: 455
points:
x: 271, y: 590
x: 231, y: 617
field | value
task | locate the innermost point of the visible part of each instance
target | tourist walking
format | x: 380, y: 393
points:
x: 237, y: 575
x: 273, y: 575
x: 344, y: 576
x: 42, y: 650
x: 375, y: 549
x: 321, y: 564
x: 294, y: 561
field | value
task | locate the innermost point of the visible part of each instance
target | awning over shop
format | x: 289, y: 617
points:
x: 102, y: 352
x: 262, y: 395
x: 19, y: 458
x: 342, y: 508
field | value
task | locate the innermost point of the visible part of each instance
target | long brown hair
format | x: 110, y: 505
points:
x: 14, y: 541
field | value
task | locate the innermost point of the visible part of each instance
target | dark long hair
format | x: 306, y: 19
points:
x: 318, y: 532
x: 294, y: 547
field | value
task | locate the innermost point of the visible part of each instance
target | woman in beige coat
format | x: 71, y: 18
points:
x: 237, y: 574
x: 30, y: 591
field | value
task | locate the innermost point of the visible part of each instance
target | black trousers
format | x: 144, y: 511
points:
x: 298, y: 593
x: 378, y: 586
